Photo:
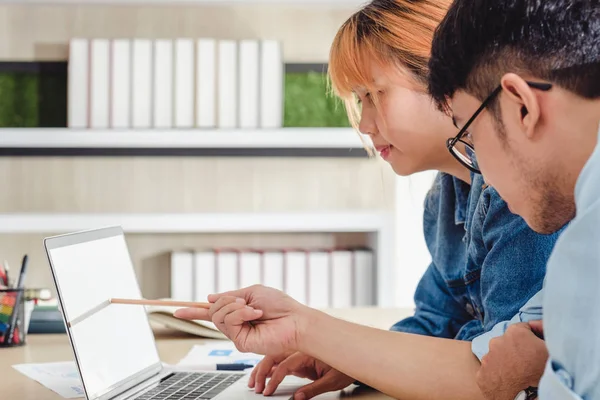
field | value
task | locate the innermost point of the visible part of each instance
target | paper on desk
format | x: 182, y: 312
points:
x: 60, y: 377
x: 222, y: 352
x: 63, y: 377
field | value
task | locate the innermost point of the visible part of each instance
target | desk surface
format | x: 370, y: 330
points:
x: 172, y: 346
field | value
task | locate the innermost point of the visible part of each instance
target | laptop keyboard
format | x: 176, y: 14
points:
x: 191, y: 386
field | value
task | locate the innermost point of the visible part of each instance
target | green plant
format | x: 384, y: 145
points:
x: 308, y: 103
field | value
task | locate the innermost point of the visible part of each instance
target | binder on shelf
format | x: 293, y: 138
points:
x: 273, y: 269
x: 206, y: 83
x: 342, y: 278
x: 184, y: 83
x: 271, y: 84
x: 205, y: 281
x: 182, y: 275
x: 163, y: 84
x: 364, y: 278
x: 295, y: 274
x: 322, y: 278
x: 227, y: 270
x: 227, y: 92
x: 120, y: 85
x: 319, y: 279
x: 78, y: 84
x: 99, y: 84
x: 251, y: 268
x: 142, y: 84
x: 249, y: 83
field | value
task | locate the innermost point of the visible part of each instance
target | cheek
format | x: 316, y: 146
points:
x: 492, y: 162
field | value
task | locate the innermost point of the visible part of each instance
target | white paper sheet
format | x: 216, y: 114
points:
x: 222, y: 352
x: 60, y: 377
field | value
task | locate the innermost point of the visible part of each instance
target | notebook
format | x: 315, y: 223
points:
x: 163, y: 315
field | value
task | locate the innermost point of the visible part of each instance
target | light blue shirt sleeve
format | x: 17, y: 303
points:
x: 531, y: 311
x: 572, y: 298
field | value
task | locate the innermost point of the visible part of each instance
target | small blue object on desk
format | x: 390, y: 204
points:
x: 46, y: 319
x: 233, y: 367
x: 220, y: 353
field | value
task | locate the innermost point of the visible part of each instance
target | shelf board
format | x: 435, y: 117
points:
x: 325, y: 3
x: 180, y: 142
x: 197, y: 222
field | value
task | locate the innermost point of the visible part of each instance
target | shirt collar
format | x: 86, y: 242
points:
x: 461, y: 198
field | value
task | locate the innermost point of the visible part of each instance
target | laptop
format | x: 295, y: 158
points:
x: 114, y: 346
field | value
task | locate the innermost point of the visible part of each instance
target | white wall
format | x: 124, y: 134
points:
x: 412, y: 256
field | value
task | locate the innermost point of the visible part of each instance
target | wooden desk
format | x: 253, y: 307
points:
x: 172, y: 346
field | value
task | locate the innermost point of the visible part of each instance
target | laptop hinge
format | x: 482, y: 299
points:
x: 143, y: 386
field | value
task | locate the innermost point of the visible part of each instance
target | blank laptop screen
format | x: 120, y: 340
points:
x: 115, y: 342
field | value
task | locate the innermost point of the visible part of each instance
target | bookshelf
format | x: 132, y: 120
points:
x: 326, y: 3
x: 378, y: 225
x: 343, y: 142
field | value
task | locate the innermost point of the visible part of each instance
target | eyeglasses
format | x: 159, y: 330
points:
x: 466, y: 156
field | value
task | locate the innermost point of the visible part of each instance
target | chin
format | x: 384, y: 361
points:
x: 546, y: 223
x: 404, y: 170
x: 403, y: 167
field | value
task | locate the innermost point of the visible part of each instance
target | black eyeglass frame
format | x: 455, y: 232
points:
x: 451, y: 142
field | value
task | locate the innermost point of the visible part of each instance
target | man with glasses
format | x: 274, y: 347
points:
x: 521, y: 78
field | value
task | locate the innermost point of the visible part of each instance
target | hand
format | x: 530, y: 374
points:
x: 515, y: 361
x: 326, y: 378
x: 263, y: 370
x: 257, y: 319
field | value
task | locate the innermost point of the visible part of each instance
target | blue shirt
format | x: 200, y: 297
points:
x: 486, y: 263
x: 572, y: 298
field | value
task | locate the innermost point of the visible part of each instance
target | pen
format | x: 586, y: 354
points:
x: 15, y: 312
x: 3, y: 277
x: 6, y: 269
x: 172, y: 303
x: 215, y: 367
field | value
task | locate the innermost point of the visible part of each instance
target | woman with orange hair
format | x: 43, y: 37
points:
x: 486, y: 262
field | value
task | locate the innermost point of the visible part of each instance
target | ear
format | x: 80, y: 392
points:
x: 523, y: 105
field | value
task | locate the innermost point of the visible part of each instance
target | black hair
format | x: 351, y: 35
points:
x: 479, y: 41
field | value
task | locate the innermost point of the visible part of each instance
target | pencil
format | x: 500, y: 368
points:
x: 173, y: 303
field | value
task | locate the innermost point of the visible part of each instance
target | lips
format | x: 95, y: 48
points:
x: 384, y: 151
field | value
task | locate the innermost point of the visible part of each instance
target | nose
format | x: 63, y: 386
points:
x: 367, y: 123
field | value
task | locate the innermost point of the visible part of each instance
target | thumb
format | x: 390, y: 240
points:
x: 538, y: 328
x: 320, y: 386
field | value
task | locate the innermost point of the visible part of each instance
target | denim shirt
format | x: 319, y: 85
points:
x: 486, y: 262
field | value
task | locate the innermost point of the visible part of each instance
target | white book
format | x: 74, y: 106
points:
x: 271, y: 84
x: 184, y: 83
x: 182, y: 275
x: 206, y: 83
x: 295, y: 275
x: 273, y: 269
x: 250, y: 268
x: 120, y: 84
x: 78, y: 85
x: 318, y: 279
x: 204, y: 274
x: 163, y: 84
x: 99, y: 84
x: 249, y: 83
x: 142, y: 84
x: 227, y: 271
x: 341, y: 276
x: 227, y: 85
x: 364, y: 278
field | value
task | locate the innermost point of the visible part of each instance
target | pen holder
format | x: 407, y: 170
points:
x: 12, y: 318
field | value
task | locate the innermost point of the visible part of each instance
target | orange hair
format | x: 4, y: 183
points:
x: 388, y: 32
